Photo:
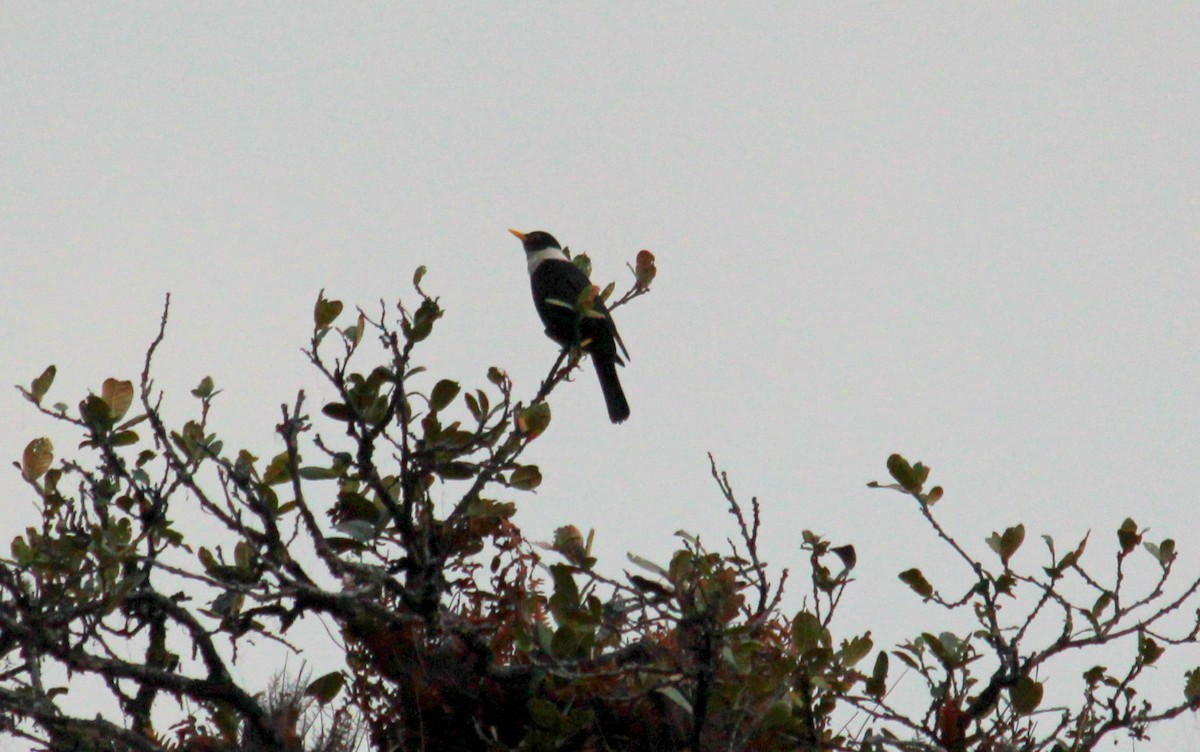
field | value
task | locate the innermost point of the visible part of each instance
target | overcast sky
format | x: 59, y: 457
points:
x: 967, y: 233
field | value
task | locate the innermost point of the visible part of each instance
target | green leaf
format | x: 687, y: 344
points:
x: 1149, y: 651
x: 877, y: 684
x: 456, y: 470
x: 326, y: 311
x: 1164, y: 552
x: 36, y: 458
x: 418, y: 275
x: 909, y: 477
x: 277, y: 471
x: 204, y: 389
x: 358, y: 530
x: 124, y: 438
x: 1026, y: 695
x: 568, y: 541
x: 1067, y: 561
x: 648, y: 565
x: 473, y: 407
x: 421, y: 324
x: 327, y: 687
x: 1104, y: 601
x: 207, y: 559
x: 915, y: 580
x: 525, y: 478
x: 1128, y: 536
x: 675, y: 696
x: 939, y: 649
x: 855, y: 650
x: 1191, y: 689
x: 321, y: 473
x: 533, y: 420
x: 443, y: 394
x: 497, y: 376
x: 847, y: 555
x: 41, y: 385
x: 1007, y: 544
x: 807, y: 632
x: 584, y: 263
x: 95, y: 412
x: 338, y: 411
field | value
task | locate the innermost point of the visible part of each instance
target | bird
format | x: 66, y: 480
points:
x: 557, y: 284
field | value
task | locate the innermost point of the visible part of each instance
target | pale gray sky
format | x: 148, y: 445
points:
x: 962, y: 232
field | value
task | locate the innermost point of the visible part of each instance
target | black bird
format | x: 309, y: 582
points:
x: 557, y: 284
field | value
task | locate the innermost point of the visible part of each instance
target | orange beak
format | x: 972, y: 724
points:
x: 518, y: 233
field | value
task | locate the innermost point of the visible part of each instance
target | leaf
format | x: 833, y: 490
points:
x: 903, y: 473
x: 939, y: 649
x: 321, y: 473
x: 1163, y: 552
x: 422, y: 321
x: 327, y: 687
x: 1128, y: 536
x: 1026, y: 695
x: 855, y: 650
x: 443, y: 394
x: 648, y: 565
x: 358, y: 530
x: 133, y: 422
x: 584, y: 263
x: 877, y: 684
x: 338, y: 411
x: 1191, y: 689
x: 1094, y: 675
x: 418, y: 275
x: 675, y: 696
x: 568, y: 541
x: 355, y: 333
x: 1067, y: 561
x: 1166, y: 552
x: 649, y: 586
x: 525, y: 478
x: 473, y: 406
x: 41, y: 385
x: 645, y: 271
x: 204, y: 389
x: 36, y: 459
x: 124, y: 438
x: 326, y: 311
x: 847, y: 555
x: 1149, y: 651
x: 497, y: 376
x: 456, y: 470
x: 586, y: 301
x: 934, y: 495
x: 915, y: 580
x: 807, y: 631
x: 118, y: 395
x: 533, y: 420
x: 277, y: 471
x: 1007, y: 544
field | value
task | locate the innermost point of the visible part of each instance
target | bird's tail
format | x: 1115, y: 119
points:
x: 614, y: 395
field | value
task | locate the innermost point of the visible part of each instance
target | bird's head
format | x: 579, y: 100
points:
x: 536, y: 241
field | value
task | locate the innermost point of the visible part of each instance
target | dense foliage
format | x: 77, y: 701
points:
x: 461, y: 634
